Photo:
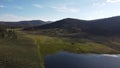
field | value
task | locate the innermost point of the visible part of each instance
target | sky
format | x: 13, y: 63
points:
x: 52, y: 10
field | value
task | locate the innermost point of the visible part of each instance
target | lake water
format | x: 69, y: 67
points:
x: 70, y: 60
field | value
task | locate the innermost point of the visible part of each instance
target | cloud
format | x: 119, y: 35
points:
x: 37, y: 6
x: 66, y: 9
x: 15, y: 7
x: 11, y: 17
x: 99, y: 4
x: 2, y: 6
x: 112, y: 1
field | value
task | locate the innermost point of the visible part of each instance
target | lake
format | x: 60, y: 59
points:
x: 71, y: 60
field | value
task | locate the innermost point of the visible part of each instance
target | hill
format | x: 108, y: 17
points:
x: 107, y: 26
x: 102, y: 31
x: 22, y: 24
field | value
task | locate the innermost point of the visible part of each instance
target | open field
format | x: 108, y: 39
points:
x: 28, y: 50
x: 18, y: 53
x: 50, y: 45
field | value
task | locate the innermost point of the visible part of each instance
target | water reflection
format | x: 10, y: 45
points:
x: 70, y: 60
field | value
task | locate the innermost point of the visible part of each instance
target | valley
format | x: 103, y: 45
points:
x: 27, y: 47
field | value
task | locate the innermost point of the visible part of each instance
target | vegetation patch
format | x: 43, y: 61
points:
x: 18, y: 53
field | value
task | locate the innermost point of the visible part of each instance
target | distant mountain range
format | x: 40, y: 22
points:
x: 106, y: 26
x: 22, y: 24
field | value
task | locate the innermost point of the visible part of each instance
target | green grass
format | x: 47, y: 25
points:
x: 18, y: 53
x: 28, y: 50
x: 50, y: 45
x: 42, y: 64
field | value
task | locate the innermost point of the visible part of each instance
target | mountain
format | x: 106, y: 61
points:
x: 23, y: 24
x: 67, y: 24
x: 107, y: 26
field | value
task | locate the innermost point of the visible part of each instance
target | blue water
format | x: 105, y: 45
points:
x: 70, y: 60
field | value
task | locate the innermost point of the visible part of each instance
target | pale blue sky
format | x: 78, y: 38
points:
x: 17, y: 10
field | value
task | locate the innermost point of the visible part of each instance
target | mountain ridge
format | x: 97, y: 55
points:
x: 22, y: 24
x: 106, y: 26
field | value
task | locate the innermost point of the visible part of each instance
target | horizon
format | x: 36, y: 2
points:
x: 60, y: 19
x: 46, y: 10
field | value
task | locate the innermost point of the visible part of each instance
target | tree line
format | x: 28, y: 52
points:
x: 7, y: 33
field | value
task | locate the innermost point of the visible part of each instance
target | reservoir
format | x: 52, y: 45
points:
x: 71, y: 60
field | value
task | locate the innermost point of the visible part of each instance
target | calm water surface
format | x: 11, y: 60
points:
x: 70, y: 60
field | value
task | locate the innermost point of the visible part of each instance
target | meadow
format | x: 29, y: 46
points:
x: 51, y: 45
x: 27, y: 50
x: 18, y: 53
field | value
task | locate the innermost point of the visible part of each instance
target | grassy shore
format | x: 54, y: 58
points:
x: 50, y: 45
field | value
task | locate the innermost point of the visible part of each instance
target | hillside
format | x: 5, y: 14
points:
x: 102, y: 31
x: 22, y: 24
x: 65, y: 24
x: 107, y: 26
